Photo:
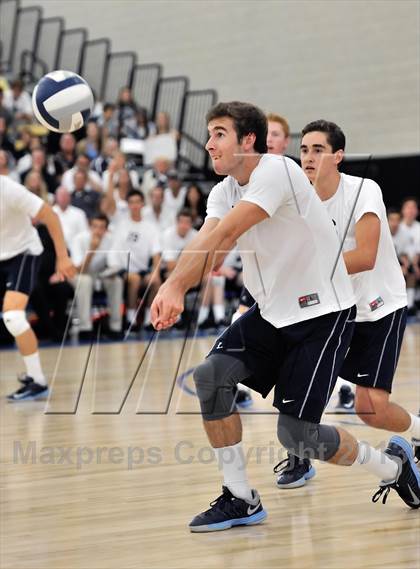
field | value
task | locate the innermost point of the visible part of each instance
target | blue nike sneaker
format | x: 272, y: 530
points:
x: 228, y: 511
x: 30, y: 390
x: 293, y: 472
x: 407, y: 482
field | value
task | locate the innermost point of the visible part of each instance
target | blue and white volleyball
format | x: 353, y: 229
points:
x: 62, y: 101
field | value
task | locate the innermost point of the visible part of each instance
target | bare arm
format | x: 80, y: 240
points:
x: 206, y: 251
x: 46, y: 215
x: 108, y: 205
x: 363, y: 257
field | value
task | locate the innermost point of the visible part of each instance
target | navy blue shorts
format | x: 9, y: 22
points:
x: 374, y: 351
x: 19, y: 273
x: 246, y: 299
x: 301, y: 360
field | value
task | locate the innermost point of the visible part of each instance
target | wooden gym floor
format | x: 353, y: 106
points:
x: 104, y: 476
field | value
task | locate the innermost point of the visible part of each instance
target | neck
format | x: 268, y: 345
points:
x: 245, y: 169
x: 157, y: 208
x: 136, y: 217
x: 328, y: 186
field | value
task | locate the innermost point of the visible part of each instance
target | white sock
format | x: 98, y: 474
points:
x: 33, y: 368
x: 219, y: 312
x: 376, y: 462
x: 410, y: 297
x: 203, y: 314
x: 231, y: 460
x: 414, y: 428
x: 131, y: 314
x: 146, y: 317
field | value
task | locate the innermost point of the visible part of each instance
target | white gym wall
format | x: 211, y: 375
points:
x: 353, y: 62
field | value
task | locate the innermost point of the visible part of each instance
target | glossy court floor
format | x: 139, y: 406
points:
x: 108, y: 473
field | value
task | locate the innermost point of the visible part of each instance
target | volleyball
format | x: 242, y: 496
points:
x: 62, y: 101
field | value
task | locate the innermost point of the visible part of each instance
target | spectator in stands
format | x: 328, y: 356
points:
x: 156, y: 175
x: 278, y: 134
x: 108, y: 122
x: 50, y: 297
x: 163, y: 124
x: 6, y: 168
x: 5, y: 140
x: 73, y: 219
x: 89, y: 251
x: 18, y: 102
x: 25, y: 143
x: 66, y: 157
x: 143, y: 127
x: 114, y: 203
x: 84, y: 198
x: 91, y: 145
x: 39, y: 164
x: 34, y: 183
x: 410, y: 224
x: 195, y: 201
x: 175, y: 192
x: 175, y: 238
x: 122, y: 163
x: 410, y: 212
x: 136, y: 251
x: 94, y: 181
x: 126, y: 112
x: 5, y: 113
x: 157, y: 213
x: 109, y: 150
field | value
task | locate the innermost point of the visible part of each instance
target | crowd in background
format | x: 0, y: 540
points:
x: 126, y: 214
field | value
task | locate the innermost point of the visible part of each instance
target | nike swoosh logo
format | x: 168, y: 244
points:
x: 287, y: 400
x: 362, y: 374
x: 416, y: 501
x: 252, y: 509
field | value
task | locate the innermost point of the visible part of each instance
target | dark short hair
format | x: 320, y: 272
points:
x: 335, y: 136
x: 100, y: 217
x: 247, y: 119
x: 132, y: 193
x: 109, y: 106
x: 410, y: 199
x: 184, y: 212
x: 392, y: 211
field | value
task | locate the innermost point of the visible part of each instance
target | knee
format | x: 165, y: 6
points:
x: 306, y: 439
x: 371, y: 406
x: 205, y: 381
x: 16, y: 322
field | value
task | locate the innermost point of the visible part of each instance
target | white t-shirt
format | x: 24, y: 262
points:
x: 140, y: 239
x: 165, y: 220
x: 402, y: 241
x: 81, y: 245
x: 382, y: 290
x: 173, y: 243
x: 290, y: 262
x: 73, y: 221
x: 174, y: 204
x: 68, y: 179
x: 17, y: 206
x: 413, y: 231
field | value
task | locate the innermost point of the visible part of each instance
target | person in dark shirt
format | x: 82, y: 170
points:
x: 87, y: 200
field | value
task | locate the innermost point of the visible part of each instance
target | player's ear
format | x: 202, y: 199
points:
x: 249, y: 140
x: 339, y: 156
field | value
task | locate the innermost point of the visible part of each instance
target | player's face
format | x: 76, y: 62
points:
x: 277, y: 141
x: 317, y: 156
x: 226, y: 153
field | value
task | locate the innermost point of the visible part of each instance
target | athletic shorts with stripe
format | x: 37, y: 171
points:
x: 374, y: 351
x: 301, y: 361
x: 19, y: 273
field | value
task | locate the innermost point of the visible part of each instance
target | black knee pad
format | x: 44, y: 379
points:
x: 307, y: 440
x: 215, y: 380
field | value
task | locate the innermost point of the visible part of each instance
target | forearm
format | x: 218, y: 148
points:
x: 47, y: 216
x: 197, y: 260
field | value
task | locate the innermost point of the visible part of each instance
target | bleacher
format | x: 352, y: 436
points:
x: 32, y: 45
